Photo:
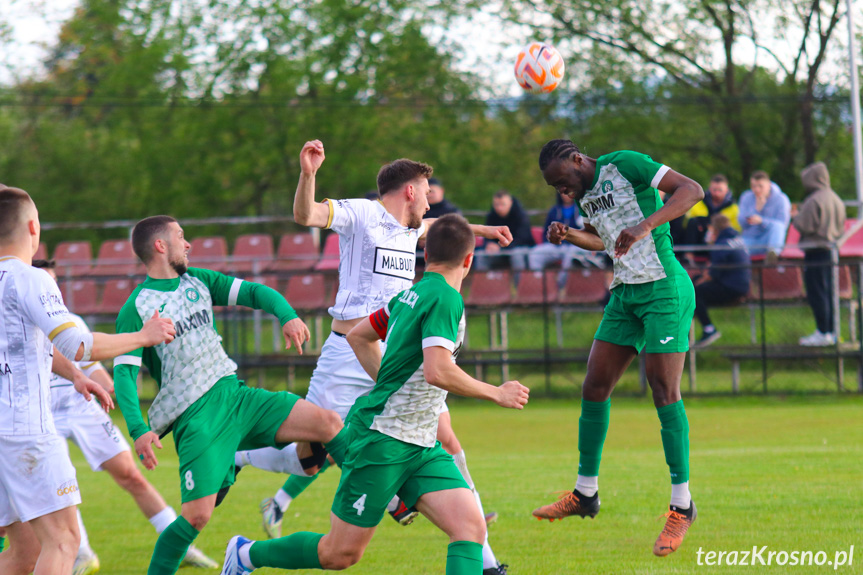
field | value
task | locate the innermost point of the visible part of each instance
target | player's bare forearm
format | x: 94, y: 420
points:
x: 108, y: 346
x: 363, y: 339
x: 682, y: 194
x: 62, y: 366
x: 499, y: 234
x: 101, y: 377
x: 306, y: 211
x: 585, y: 239
x: 443, y: 373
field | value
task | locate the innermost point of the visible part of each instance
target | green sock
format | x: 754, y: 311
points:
x: 675, y: 440
x: 296, y: 551
x: 296, y: 484
x: 2, y: 543
x: 592, y: 429
x: 338, y: 445
x: 464, y: 558
x: 171, y: 547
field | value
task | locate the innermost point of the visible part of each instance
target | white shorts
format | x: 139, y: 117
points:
x: 36, y: 477
x: 338, y: 379
x: 92, y: 430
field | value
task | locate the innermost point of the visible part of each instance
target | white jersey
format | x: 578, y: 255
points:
x: 63, y: 395
x: 377, y: 256
x: 33, y: 314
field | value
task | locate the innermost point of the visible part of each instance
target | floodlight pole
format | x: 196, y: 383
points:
x: 855, y: 108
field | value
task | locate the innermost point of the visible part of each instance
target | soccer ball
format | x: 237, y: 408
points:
x: 539, y: 68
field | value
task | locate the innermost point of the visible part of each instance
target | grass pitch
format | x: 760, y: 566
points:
x: 765, y: 471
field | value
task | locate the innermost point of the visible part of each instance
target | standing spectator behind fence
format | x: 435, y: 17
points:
x: 506, y: 211
x: 821, y: 220
x: 438, y: 206
x: 765, y: 212
x: 564, y: 210
x: 718, y: 200
x: 728, y: 278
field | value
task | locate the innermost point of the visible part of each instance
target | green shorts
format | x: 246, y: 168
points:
x: 377, y: 466
x: 654, y: 316
x: 228, y: 418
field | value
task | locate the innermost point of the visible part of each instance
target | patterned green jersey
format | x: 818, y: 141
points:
x: 401, y: 404
x: 624, y: 194
x: 194, y: 361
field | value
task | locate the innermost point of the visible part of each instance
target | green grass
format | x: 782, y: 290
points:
x: 781, y: 472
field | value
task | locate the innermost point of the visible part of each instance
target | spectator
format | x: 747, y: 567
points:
x: 765, y: 212
x: 438, y: 206
x: 821, y: 220
x: 547, y: 253
x: 718, y: 200
x: 506, y: 211
x: 727, y: 279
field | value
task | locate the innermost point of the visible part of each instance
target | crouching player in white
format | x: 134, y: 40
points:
x: 38, y: 487
x: 391, y: 432
x: 105, y: 448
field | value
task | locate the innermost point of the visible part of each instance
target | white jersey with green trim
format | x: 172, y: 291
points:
x: 623, y: 195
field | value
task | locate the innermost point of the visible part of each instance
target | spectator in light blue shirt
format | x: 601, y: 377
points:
x: 765, y: 214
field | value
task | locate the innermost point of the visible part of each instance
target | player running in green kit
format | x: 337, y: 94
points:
x: 200, y: 399
x: 651, y: 308
x: 391, y: 432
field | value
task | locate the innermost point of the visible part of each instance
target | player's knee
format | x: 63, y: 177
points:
x: 22, y: 563
x: 332, y: 423
x: 65, y: 541
x: 130, y: 478
x: 198, y: 518
x: 342, y: 559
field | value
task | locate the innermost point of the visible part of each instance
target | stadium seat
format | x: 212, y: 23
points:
x: 853, y: 248
x: 114, y: 295
x: 41, y: 252
x: 269, y: 280
x: 210, y: 252
x: 791, y: 251
x: 489, y: 289
x: 296, y: 252
x: 73, y: 258
x: 585, y: 286
x: 80, y: 296
x: 116, y: 258
x: 780, y: 283
x: 253, y: 253
x: 538, y: 233
x: 330, y: 258
x: 307, y: 292
x: 530, y: 288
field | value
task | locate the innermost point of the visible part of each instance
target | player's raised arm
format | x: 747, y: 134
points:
x: 306, y: 211
x: 440, y: 371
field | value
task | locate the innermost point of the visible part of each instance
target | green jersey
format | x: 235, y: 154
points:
x: 194, y: 361
x: 623, y: 194
x: 401, y: 404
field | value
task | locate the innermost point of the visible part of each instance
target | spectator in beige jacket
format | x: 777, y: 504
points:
x: 820, y: 220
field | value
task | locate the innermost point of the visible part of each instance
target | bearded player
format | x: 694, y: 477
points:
x: 651, y: 308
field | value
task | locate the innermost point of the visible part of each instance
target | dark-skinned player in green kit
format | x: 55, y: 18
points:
x: 651, y: 307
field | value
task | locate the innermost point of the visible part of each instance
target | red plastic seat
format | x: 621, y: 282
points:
x: 296, y: 252
x: 210, y: 253
x: 41, y: 252
x: 538, y: 233
x: 73, y: 258
x: 80, y: 296
x: 780, y: 283
x: 585, y: 286
x: 115, y: 295
x: 116, y: 258
x: 853, y: 248
x: 253, y: 253
x: 307, y: 292
x: 791, y: 251
x: 269, y: 280
x: 530, y: 288
x: 489, y: 289
x: 330, y: 258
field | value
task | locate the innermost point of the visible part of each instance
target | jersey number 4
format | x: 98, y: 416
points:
x: 360, y: 505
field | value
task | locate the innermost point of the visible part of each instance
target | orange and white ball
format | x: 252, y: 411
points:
x: 539, y: 68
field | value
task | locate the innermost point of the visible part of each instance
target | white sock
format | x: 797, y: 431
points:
x: 163, y: 518
x: 283, y: 460
x: 587, y: 486
x: 393, y: 504
x: 241, y: 459
x: 488, y: 559
x: 461, y: 463
x: 243, y: 552
x: 680, y: 496
x: 283, y: 500
x: 84, y: 546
